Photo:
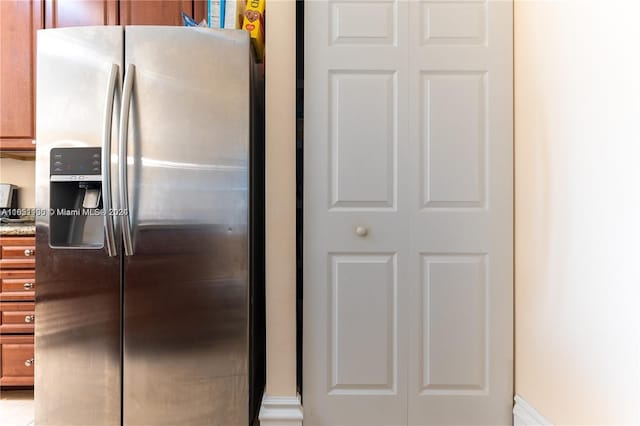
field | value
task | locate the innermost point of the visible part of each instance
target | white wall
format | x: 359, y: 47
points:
x: 577, y: 121
x: 21, y: 173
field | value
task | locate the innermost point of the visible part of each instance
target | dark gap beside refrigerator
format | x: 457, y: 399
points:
x: 257, y: 324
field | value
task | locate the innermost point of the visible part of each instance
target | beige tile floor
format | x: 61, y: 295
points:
x: 16, y: 408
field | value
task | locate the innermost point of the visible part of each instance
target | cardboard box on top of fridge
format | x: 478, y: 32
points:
x: 231, y: 12
x: 254, y: 23
x: 234, y: 14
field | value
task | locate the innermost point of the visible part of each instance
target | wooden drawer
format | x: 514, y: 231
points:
x: 17, y: 241
x: 17, y: 306
x: 17, y: 317
x: 16, y: 360
x: 17, y: 253
x: 17, y: 285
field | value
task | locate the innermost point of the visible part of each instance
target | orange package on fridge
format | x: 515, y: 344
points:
x: 254, y: 23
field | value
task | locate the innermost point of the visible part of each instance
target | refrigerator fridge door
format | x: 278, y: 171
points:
x: 77, y: 327
x: 186, y: 281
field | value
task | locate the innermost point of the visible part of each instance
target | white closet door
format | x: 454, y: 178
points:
x: 355, y: 295
x: 408, y: 212
x: 461, y: 213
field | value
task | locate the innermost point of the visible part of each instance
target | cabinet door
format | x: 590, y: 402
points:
x: 74, y: 13
x: 19, y: 21
x: 154, y: 12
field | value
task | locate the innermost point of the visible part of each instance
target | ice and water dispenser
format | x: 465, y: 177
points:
x: 76, y: 217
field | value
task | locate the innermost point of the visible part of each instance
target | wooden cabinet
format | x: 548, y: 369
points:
x: 17, y: 310
x: 74, y: 13
x: 19, y: 21
x: 153, y: 12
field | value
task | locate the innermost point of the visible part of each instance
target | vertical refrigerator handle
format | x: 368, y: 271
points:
x: 122, y: 159
x: 106, y: 162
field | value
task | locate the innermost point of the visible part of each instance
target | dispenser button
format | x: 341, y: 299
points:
x: 96, y: 163
x: 96, y: 155
x: 91, y: 198
x: 57, y: 169
x: 57, y: 163
x: 96, y: 169
x: 57, y: 156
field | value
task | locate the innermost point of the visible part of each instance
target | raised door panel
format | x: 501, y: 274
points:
x: 155, y: 12
x: 363, y: 140
x: 19, y: 21
x: 347, y: 25
x: 362, y: 341
x: 453, y: 126
x: 453, y: 321
x: 75, y: 13
x: 453, y: 22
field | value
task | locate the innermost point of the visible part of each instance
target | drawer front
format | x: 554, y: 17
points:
x: 19, y: 285
x: 12, y: 274
x: 17, y: 317
x: 16, y: 361
x: 25, y: 263
x: 18, y: 288
x: 17, y: 241
x: 18, y: 252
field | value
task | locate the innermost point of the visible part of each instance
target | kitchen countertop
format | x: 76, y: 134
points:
x: 17, y: 230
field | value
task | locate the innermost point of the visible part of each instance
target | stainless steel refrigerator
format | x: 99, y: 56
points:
x: 148, y: 303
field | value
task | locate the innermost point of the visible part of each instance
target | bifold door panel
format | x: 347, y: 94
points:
x: 408, y: 213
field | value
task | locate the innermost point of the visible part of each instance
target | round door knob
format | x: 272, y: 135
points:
x: 29, y: 252
x: 28, y: 363
x: 29, y: 318
x: 27, y: 286
x: 361, y: 231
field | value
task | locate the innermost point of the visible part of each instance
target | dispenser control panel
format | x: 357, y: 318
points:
x: 75, y: 161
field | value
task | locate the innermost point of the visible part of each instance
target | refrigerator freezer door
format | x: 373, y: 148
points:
x: 186, y: 285
x: 77, y: 330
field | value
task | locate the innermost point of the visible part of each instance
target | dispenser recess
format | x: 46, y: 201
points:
x: 76, y: 212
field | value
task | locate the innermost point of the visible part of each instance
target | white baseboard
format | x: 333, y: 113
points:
x: 525, y: 415
x: 280, y: 411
